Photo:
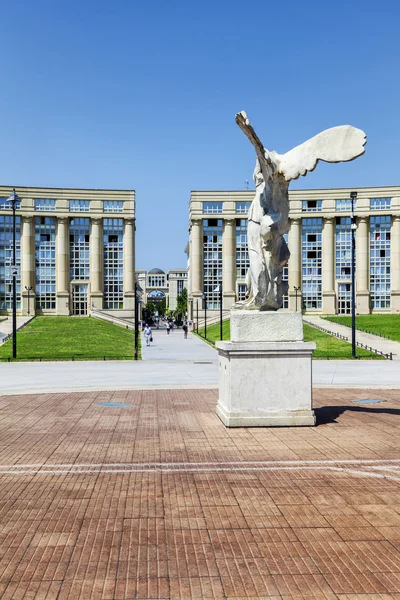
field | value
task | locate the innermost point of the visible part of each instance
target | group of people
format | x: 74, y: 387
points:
x: 148, y: 334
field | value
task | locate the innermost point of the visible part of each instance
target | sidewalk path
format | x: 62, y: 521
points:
x: 6, y: 326
x: 374, y: 341
x: 175, y: 347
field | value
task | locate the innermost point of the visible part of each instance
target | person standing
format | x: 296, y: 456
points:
x: 185, y: 330
x: 147, y: 334
x: 168, y: 327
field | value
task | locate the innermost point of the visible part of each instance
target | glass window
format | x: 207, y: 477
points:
x: 5, y: 204
x: 311, y: 251
x: 344, y: 204
x: 113, y: 232
x: 212, y: 207
x: 79, y: 234
x: 379, y: 261
x: 113, y: 206
x: 379, y: 203
x: 343, y: 248
x: 242, y: 253
x: 243, y: 207
x: 79, y: 205
x: 45, y: 204
x: 212, y: 260
x: 156, y: 280
x: 6, y: 261
x: 312, y: 205
x: 45, y: 257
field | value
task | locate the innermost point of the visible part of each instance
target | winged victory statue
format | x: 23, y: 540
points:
x: 268, y: 217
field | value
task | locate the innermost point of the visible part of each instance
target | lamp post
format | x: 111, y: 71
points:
x: 137, y: 301
x: 28, y: 289
x: 197, y: 316
x: 205, y: 315
x: 353, y: 225
x: 14, y: 199
x: 296, y: 289
x: 219, y: 289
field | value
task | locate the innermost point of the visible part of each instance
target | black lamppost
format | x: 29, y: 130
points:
x: 219, y: 289
x: 14, y: 199
x: 296, y: 289
x: 137, y: 301
x: 197, y: 316
x: 205, y: 315
x: 353, y: 225
x: 28, y: 289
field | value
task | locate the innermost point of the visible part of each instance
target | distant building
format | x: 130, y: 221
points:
x: 157, y: 285
x: 75, y: 251
x: 319, y: 240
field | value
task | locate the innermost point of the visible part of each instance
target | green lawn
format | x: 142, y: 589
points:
x: 328, y: 346
x: 384, y: 325
x: 61, y: 338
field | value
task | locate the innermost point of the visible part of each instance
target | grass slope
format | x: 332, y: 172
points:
x: 60, y: 338
x: 385, y: 325
x: 328, y: 346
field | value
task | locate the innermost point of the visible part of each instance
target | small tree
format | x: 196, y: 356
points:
x: 181, y: 306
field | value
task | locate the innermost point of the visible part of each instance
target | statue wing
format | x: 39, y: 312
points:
x: 338, y: 144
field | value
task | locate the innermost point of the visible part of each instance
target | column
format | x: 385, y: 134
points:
x: 62, y: 266
x: 129, y: 264
x: 229, y: 263
x: 28, y: 264
x: 362, y: 267
x: 328, y: 267
x: 395, y: 264
x: 196, y: 259
x: 96, y: 263
x: 294, y: 243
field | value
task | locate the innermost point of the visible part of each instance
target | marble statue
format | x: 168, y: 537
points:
x: 268, y: 217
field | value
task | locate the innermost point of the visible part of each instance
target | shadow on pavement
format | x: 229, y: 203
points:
x: 330, y: 414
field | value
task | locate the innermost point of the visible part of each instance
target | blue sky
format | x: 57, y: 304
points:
x: 142, y: 95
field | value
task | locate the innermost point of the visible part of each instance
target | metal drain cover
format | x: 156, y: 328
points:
x: 369, y: 401
x: 115, y: 404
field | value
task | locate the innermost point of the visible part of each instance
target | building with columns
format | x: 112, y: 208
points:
x: 156, y: 285
x: 75, y: 251
x: 319, y: 241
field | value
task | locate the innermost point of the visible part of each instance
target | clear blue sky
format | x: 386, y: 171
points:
x: 142, y: 94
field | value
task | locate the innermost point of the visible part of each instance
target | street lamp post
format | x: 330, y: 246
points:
x: 28, y: 289
x: 296, y: 289
x: 205, y: 315
x: 197, y: 316
x: 219, y: 289
x: 14, y: 199
x: 353, y: 225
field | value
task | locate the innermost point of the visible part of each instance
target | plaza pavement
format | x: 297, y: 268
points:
x: 172, y: 362
x: 145, y: 494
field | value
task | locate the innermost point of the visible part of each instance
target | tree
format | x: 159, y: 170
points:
x: 181, y: 306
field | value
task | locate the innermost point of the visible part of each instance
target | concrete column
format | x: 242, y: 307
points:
x: 395, y: 264
x: 196, y: 259
x: 96, y: 263
x: 229, y: 263
x: 362, y: 267
x: 28, y: 264
x: 62, y: 266
x: 294, y: 265
x: 328, y: 267
x: 129, y: 265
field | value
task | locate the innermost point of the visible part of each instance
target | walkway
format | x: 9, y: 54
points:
x: 368, y: 339
x: 175, y: 347
x: 6, y: 326
x: 145, y: 494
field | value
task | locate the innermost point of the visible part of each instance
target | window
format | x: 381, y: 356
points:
x: 379, y: 203
x: 180, y: 286
x: 5, y: 204
x: 242, y: 254
x: 312, y: 205
x: 79, y: 205
x: 113, y: 206
x: 212, y: 207
x: 212, y: 260
x: 242, y: 289
x: 45, y: 204
x: 79, y: 249
x: 344, y: 204
x: 45, y: 258
x: 379, y: 253
x: 311, y: 250
x: 243, y: 207
x: 156, y: 281
x: 113, y: 232
x: 6, y: 261
x: 343, y: 248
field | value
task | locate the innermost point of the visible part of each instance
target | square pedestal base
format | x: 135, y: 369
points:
x: 265, y: 384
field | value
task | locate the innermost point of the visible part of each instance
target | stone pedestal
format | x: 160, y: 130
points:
x: 265, y: 377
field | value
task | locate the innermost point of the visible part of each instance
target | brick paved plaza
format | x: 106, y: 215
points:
x: 159, y: 500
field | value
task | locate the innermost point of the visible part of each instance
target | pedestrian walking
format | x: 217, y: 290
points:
x: 147, y: 334
x: 185, y: 330
x: 168, y: 327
